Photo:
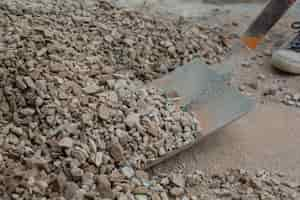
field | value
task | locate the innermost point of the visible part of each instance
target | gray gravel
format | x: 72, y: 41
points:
x: 76, y: 119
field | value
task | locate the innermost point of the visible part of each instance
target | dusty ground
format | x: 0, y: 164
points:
x: 267, y: 137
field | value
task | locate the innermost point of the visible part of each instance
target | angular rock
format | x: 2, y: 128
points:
x: 165, y: 181
x: 178, y: 180
x: 123, y: 197
x: 17, y: 130
x: 142, y: 174
x: 128, y: 172
x: 104, y: 186
x: 92, y: 89
x: 104, y: 112
x: 70, y: 190
x: 80, y: 154
x: 176, y: 191
x: 155, y: 196
x: 98, y: 159
x: 56, y: 67
x: 29, y: 82
x: 66, y: 142
x: 132, y: 120
x: 20, y: 83
x: 116, y: 151
x: 141, y: 197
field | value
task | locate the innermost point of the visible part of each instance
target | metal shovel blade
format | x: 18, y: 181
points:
x: 206, y: 94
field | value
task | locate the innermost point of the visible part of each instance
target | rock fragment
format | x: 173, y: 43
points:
x: 128, y: 172
x: 117, y: 152
x: 133, y: 120
x: 178, y: 180
x: 66, y: 142
x: 98, y: 159
x: 141, y: 197
x: 104, y: 186
x: 104, y: 112
x: 92, y: 89
x: 70, y: 191
x: 29, y: 82
x: 20, y: 83
x: 177, y: 191
x: 27, y: 111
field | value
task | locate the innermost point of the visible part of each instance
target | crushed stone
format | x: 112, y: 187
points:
x: 77, y: 121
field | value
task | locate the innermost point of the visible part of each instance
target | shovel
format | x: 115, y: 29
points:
x: 205, y: 92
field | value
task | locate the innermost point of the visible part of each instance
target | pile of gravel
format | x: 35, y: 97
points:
x: 239, y: 184
x: 62, y: 139
x: 90, y: 40
x: 77, y: 121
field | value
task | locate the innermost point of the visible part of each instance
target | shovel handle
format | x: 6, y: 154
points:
x: 269, y: 16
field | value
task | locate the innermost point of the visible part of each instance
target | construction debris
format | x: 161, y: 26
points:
x: 91, y: 40
x: 115, y: 131
x: 77, y: 121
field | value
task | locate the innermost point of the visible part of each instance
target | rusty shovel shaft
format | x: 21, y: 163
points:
x: 270, y: 15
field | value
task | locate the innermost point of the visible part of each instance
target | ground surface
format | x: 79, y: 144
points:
x: 266, y: 138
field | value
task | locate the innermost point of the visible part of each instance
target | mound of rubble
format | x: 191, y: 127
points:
x: 76, y: 120
x: 56, y: 134
x: 90, y: 40
x: 240, y: 184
